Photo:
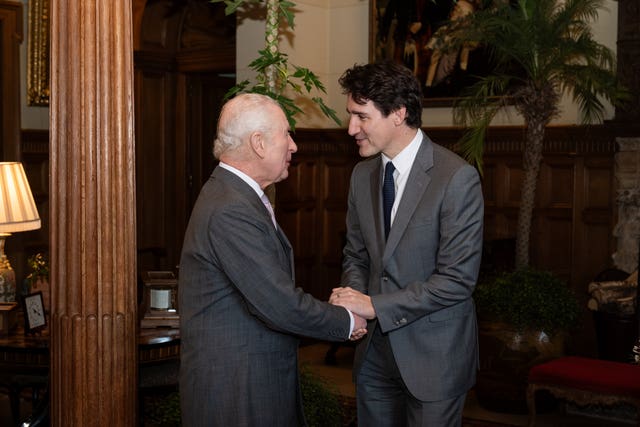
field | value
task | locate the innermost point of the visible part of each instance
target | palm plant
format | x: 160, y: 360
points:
x: 540, y: 50
x: 273, y: 72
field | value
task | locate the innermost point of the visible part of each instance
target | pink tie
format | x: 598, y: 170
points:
x: 267, y: 204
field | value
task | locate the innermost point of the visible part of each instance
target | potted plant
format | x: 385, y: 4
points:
x: 38, y: 278
x: 524, y: 316
x: 539, y: 50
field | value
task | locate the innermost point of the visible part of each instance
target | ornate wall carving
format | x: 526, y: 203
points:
x: 627, y: 230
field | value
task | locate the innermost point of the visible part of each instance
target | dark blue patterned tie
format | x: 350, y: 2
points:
x: 388, y: 196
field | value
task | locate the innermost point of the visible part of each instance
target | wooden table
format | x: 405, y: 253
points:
x: 24, y: 361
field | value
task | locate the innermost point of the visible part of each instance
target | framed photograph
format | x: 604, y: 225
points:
x: 410, y: 31
x: 34, y: 314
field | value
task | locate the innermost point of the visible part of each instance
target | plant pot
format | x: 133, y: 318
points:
x: 506, y: 355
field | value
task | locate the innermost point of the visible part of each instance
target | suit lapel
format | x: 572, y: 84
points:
x: 288, y: 249
x: 252, y: 198
x: 417, y: 183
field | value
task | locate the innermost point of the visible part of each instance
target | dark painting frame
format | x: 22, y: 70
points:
x: 393, y: 34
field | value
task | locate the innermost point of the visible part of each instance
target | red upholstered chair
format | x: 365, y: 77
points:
x: 585, y: 381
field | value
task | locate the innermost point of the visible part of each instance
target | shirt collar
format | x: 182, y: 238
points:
x: 404, y: 160
x: 243, y: 176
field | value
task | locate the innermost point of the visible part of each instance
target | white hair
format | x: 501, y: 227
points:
x: 240, y: 117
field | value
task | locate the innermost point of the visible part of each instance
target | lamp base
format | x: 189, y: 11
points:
x: 7, y: 284
x: 7, y: 275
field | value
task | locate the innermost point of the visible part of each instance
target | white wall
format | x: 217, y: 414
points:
x: 30, y: 117
x: 333, y: 35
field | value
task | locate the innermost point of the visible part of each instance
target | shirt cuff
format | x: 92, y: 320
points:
x: 352, y: 323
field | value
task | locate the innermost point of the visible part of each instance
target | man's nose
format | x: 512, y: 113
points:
x: 354, y: 127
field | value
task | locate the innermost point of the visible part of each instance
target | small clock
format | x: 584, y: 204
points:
x: 160, y: 300
x: 34, y: 313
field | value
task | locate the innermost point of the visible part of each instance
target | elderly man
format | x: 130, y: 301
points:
x: 240, y: 311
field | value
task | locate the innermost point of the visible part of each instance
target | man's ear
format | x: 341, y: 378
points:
x: 399, y: 116
x: 257, y: 143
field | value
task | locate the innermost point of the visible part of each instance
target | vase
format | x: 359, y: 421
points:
x: 506, y: 355
x: 7, y: 285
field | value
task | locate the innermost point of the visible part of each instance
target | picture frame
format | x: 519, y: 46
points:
x: 35, y: 317
x: 407, y: 32
x: 38, y: 52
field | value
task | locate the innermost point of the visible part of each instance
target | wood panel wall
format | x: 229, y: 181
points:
x: 311, y: 206
x: 11, y: 36
x: 573, y: 218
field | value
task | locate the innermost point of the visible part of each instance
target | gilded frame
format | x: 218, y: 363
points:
x: 391, y: 37
x: 38, y: 46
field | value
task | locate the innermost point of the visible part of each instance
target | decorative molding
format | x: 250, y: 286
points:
x: 628, y: 144
x: 627, y: 229
x: 566, y: 140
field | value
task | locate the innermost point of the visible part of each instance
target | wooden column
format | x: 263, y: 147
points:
x: 92, y: 203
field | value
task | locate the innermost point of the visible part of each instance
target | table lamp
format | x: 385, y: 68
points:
x: 17, y: 213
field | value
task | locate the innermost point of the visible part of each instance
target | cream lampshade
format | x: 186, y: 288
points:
x: 17, y: 213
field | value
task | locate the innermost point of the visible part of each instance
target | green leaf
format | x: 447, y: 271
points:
x: 269, y: 64
x: 327, y: 111
x: 232, y: 6
x: 285, y: 9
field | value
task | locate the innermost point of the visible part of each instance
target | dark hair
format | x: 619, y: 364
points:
x: 388, y: 85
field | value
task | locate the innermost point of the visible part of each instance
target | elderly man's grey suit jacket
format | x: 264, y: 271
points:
x: 240, y: 313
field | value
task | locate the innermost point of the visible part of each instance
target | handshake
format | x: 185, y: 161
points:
x: 358, y: 304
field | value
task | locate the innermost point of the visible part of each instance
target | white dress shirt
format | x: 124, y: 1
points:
x: 403, y: 163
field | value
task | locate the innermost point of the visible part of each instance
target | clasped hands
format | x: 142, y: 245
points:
x: 358, y: 304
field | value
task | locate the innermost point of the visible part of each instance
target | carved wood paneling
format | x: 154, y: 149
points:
x: 311, y: 206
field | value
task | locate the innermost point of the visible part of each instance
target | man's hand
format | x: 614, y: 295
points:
x: 359, y: 328
x: 354, y: 301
